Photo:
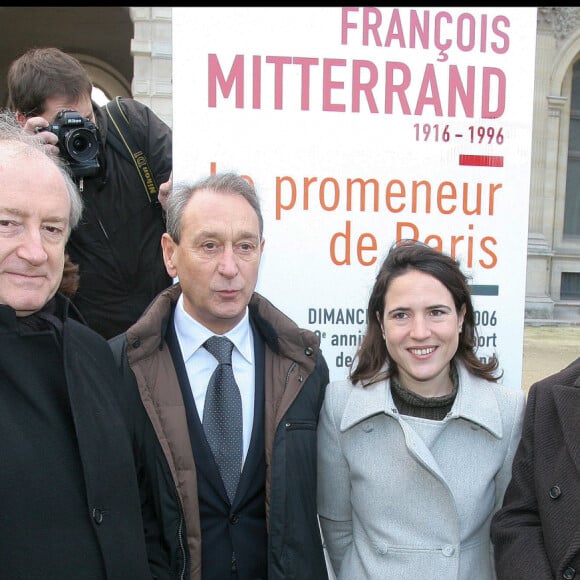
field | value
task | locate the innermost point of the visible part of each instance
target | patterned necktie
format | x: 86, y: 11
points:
x: 222, y: 414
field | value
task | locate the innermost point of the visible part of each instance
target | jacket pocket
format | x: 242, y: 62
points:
x: 292, y: 425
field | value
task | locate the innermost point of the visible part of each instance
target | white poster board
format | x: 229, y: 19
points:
x: 360, y: 126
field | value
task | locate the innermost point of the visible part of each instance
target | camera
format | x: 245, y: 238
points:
x: 78, y: 142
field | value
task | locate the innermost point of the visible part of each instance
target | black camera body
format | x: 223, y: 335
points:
x: 78, y: 142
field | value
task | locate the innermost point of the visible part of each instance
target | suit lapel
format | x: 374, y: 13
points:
x: 567, y: 402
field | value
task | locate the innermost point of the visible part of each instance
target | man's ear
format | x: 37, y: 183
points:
x: 168, y: 246
x: 21, y: 118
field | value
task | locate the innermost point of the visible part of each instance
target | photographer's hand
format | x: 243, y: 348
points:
x: 164, y: 191
x: 34, y: 126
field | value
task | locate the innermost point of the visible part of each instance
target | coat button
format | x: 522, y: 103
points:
x: 98, y: 516
x: 448, y: 551
x: 234, y: 519
x: 136, y: 343
x: 382, y: 548
x: 569, y: 573
x: 555, y: 492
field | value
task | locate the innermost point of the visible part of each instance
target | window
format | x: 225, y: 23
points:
x: 570, y: 286
x: 572, y: 207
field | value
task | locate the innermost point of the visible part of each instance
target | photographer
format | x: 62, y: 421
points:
x: 117, y: 244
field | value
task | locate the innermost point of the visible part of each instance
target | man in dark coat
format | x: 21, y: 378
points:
x: 116, y: 244
x: 252, y: 517
x: 536, y: 533
x: 69, y: 498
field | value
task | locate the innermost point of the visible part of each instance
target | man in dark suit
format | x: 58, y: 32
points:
x: 240, y: 504
x: 536, y: 533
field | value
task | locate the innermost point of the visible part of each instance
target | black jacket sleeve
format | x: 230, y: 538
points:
x: 137, y: 422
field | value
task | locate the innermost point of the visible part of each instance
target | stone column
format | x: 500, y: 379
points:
x: 152, y: 55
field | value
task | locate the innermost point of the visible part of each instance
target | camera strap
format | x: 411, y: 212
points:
x: 120, y: 137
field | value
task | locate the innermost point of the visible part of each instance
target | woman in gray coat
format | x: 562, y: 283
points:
x: 415, y: 449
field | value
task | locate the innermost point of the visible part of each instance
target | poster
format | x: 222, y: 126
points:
x: 360, y: 126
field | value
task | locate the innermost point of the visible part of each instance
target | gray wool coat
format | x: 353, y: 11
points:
x: 407, y: 498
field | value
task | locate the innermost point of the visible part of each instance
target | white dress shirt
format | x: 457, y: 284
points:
x: 200, y: 364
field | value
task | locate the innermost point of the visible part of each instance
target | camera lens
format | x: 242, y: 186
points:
x: 81, y: 144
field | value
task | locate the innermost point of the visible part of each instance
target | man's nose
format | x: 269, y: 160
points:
x: 228, y: 262
x: 31, y: 248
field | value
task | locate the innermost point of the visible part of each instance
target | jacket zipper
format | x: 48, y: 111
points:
x: 180, y: 542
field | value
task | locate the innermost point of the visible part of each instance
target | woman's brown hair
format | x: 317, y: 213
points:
x: 408, y: 255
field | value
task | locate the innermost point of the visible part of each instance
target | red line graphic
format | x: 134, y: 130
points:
x: 481, y: 160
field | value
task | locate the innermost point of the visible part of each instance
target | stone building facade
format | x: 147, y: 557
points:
x: 553, y: 266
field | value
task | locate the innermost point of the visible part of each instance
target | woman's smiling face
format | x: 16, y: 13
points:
x: 421, y: 327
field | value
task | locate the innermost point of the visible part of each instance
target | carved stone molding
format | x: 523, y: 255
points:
x: 555, y: 105
x: 560, y: 20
